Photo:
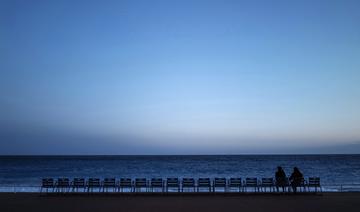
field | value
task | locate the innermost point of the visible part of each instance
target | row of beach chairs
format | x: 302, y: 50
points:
x: 64, y: 185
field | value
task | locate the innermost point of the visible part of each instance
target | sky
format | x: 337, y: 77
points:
x: 179, y: 77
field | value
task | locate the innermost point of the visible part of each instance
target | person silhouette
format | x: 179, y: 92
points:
x: 280, y: 179
x: 296, y: 179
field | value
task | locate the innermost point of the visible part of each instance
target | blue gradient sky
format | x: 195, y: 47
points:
x: 179, y: 77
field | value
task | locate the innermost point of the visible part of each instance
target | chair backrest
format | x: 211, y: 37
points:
x: 94, y: 182
x: 125, y: 182
x: 157, y: 182
x: 109, y: 182
x: 204, y: 182
x: 63, y: 182
x: 47, y: 182
x: 188, y: 182
x: 79, y: 182
x: 235, y: 182
x: 251, y: 181
x: 140, y: 182
x: 267, y: 181
x: 314, y: 181
x: 219, y: 182
x: 172, y: 182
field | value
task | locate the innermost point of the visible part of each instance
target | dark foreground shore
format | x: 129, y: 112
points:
x: 200, y: 202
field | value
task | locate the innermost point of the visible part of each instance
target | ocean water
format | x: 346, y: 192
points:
x: 24, y: 173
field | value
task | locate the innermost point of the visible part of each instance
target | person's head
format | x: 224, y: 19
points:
x: 279, y: 168
x: 296, y: 169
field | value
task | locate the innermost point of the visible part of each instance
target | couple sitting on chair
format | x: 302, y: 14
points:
x: 296, y: 179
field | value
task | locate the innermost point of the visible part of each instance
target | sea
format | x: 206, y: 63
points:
x: 24, y: 173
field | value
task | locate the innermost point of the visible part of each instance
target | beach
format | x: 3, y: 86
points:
x: 13, y: 202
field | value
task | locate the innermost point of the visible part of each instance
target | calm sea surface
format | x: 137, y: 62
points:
x: 23, y: 172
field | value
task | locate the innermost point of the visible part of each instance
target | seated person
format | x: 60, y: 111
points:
x: 280, y: 178
x: 296, y: 179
